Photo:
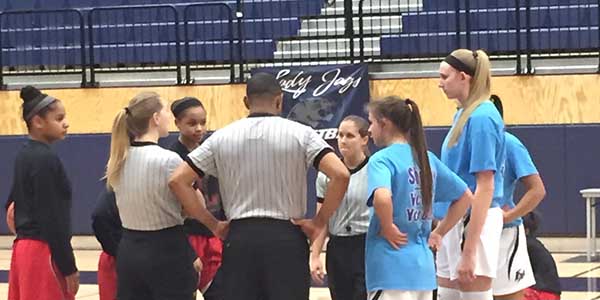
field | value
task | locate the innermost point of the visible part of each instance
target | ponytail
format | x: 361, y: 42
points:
x: 405, y: 115
x: 498, y: 103
x: 119, y: 146
x: 130, y: 122
x: 479, y: 90
x: 419, y: 148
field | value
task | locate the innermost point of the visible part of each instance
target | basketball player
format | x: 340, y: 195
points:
x: 475, y: 150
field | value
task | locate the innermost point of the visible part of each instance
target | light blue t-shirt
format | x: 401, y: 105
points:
x: 518, y: 165
x: 480, y: 147
x: 412, y: 266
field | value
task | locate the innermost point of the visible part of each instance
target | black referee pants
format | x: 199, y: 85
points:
x: 156, y: 265
x: 265, y: 259
x: 345, y: 262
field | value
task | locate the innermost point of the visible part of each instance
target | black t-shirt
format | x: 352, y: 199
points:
x: 107, y: 223
x: 209, y: 186
x: 42, y: 195
x: 544, y: 267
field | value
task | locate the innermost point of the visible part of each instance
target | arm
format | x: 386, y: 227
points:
x: 106, y: 223
x: 10, y: 213
x: 104, y: 232
x: 339, y: 177
x: 530, y: 200
x: 10, y: 217
x: 316, y: 266
x: 317, y: 246
x: 384, y: 210
x: 481, y: 203
x: 192, y: 202
x: 456, y: 211
x: 53, y: 213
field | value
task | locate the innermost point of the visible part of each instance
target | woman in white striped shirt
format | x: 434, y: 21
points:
x: 348, y: 226
x: 155, y: 259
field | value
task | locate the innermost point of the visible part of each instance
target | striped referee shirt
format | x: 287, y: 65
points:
x: 352, y: 217
x: 144, y: 199
x: 261, y: 163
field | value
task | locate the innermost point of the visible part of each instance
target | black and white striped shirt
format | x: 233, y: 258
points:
x: 261, y: 163
x: 144, y: 199
x: 352, y: 217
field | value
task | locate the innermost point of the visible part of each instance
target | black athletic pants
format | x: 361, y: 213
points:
x: 156, y: 265
x: 265, y: 259
x: 346, y: 267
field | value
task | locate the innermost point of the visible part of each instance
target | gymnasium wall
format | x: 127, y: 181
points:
x: 557, y: 117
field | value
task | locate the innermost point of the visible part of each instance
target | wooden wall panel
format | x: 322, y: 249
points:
x: 93, y: 110
x: 564, y: 99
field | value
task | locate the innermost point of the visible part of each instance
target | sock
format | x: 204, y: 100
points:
x: 484, y: 295
x: 445, y: 293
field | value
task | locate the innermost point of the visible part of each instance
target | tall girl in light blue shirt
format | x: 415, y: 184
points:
x: 475, y: 150
x: 404, y: 179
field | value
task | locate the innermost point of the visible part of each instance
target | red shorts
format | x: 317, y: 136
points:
x: 533, y: 294
x: 210, y: 252
x: 107, y: 277
x: 33, y: 275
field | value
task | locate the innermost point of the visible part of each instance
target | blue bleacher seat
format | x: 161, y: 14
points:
x: 492, y: 19
x: 437, y: 44
x: 434, y: 5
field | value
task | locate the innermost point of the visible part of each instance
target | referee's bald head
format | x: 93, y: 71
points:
x: 262, y: 86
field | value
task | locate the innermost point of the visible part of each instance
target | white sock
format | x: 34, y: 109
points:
x: 484, y: 295
x: 445, y: 293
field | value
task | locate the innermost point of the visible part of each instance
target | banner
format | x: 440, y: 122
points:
x: 321, y: 97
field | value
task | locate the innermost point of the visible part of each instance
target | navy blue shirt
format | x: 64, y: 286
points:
x: 107, y: 223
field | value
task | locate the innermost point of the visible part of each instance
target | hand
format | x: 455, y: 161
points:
x: 506, y: 217
x: 309, y: 227
x: 221, y: 230
x: 72, y: 283
x: 316, y: 269
x: 10, y: 218
x: 198, y: 265
x: 393, y: 235
x: 435, y: 241
x: 466, y: 269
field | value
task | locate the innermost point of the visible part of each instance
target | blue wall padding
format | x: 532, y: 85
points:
x: 566, y: 156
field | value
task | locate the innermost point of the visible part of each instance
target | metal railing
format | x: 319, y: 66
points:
x: 209, y: 36
x: 234, y: 37
x: 27, y: 37
x: 527, y: 29
x: 122, y: 37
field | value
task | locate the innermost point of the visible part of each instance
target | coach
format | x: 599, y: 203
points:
x: 261, y: 162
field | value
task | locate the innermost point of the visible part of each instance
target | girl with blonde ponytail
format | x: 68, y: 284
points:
x: 155, y: 260
x: 475, y: 150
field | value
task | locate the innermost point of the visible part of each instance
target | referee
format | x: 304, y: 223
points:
x: 261, y: 162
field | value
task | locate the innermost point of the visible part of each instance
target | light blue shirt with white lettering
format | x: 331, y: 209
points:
x: 412, y: 266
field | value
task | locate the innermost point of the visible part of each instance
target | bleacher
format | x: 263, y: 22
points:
x: 69, y: 35
x: 146, y: 34
x: 554, y: 26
